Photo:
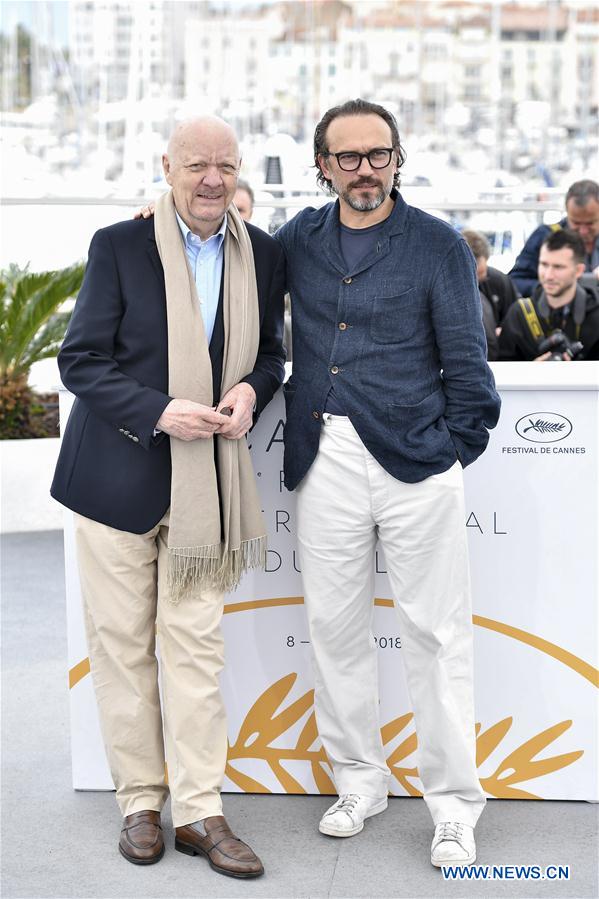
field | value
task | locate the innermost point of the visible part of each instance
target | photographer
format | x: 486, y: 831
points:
x: 497, y: 292
x: 582, y: 216
x: 561, y: 319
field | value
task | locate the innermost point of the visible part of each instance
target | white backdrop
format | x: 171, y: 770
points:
x: 532, y: 521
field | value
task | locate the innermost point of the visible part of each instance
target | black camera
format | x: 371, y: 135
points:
x: 558, y: 344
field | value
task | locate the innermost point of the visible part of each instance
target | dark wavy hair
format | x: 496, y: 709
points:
x: 354, y: 107
x: 565, y: 237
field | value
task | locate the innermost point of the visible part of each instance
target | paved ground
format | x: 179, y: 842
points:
x: 58, y: 843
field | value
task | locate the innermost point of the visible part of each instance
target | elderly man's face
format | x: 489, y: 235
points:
x: 201, y: 165
x: 585, y: 220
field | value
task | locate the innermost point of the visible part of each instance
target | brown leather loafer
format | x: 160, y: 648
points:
x: 141, y: 838
x: 225, y: 852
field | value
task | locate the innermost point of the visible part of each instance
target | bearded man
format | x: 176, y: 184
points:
x: 390, y: 397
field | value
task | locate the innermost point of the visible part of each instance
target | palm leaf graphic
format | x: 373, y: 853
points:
x: 401, y: 752
x: 244, y: 781
x: 267, y: 721
x: 521, y: 765
x: 322, y: 780
x: 391, y: 730
x: 262, y: 726
x: 489, y: 740
x: 545, y: 427
x: 307, y: 738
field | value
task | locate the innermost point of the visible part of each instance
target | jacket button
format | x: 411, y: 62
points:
x: 135, y: 439
x: 335, y: 370
x: 315, y: 414
x: 347, y: 280
x: 342, y: 326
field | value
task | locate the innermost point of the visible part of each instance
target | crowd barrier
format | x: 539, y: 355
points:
x: 533, y: 526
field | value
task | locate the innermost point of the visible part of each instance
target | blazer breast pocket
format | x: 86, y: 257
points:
x: 395, y: 317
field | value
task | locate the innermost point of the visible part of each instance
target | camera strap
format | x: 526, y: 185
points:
x: 531, y: 318
x: 578, y: 309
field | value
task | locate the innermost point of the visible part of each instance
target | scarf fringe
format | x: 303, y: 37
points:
x: 212, y: 566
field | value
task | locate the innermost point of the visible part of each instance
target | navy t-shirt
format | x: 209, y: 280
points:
x: 356, y: 243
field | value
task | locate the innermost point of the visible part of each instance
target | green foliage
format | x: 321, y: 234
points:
x: 32, y: 328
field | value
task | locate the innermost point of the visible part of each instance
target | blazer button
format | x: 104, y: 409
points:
x: 347, y: 280
x: 335, y: 370
x: 135, y: 439
x: 315, y: 414
x: 342, y: 326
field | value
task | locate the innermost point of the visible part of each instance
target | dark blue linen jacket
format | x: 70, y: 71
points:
x: 115, y: 360
x: 400, y: 336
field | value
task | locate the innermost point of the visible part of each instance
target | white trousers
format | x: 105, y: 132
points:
x: 126, y: 603
x: 345, y: 502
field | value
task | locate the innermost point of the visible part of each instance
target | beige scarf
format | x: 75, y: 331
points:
x: 216, y: 528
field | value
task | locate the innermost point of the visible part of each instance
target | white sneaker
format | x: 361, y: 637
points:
x: 453, y: 843
x: 346, y: 817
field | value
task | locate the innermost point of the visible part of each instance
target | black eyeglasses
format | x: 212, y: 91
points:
x: 379, y: 158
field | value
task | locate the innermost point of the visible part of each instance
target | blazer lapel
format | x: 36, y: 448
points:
x: 331, y: 246
x: 152, y: 250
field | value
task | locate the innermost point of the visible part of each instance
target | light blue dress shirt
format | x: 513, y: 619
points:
x: 206, y: 261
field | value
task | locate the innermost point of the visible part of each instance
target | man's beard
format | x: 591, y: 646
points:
x: 557, y: 293
x: 365, y: 203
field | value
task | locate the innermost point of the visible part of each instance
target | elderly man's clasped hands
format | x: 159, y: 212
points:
x: 187, y: 420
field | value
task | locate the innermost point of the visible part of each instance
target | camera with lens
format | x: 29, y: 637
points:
x: 558, y: 345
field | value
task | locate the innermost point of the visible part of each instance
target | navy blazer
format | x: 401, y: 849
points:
x: 115, y: 360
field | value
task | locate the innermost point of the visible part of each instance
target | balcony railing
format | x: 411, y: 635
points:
x: 52, y: 232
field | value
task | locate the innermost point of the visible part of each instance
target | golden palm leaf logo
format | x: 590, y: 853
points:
x: 263, y: 725
x: 521, y: 764
x: 267, y: 722
x: 269, y: 719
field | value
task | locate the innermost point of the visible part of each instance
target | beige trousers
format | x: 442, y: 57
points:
x: 126, y: 604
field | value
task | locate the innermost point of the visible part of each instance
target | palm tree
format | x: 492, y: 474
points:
x: 32, y: 327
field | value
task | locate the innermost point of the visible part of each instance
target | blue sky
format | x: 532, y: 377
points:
x: 31, y: 13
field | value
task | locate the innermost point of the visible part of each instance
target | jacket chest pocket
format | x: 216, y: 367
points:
x: 395, y: 317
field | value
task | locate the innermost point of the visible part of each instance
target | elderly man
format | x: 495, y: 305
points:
x: 582, y: 215
x: 174, y: 345
x: 390, y: 398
